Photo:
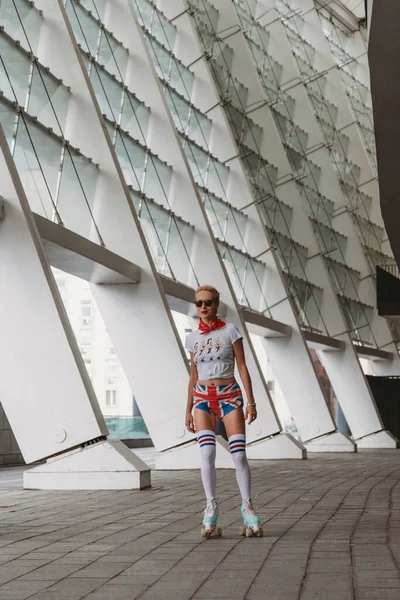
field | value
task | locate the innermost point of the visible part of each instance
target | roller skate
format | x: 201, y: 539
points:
x: 210, y: 528
x: 251, y: 521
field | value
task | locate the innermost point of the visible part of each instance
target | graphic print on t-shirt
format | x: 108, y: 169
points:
x: 208, y: 350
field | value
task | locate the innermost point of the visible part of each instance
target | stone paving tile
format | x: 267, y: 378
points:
x: 120, y: 592
x: 50, y: 572
x: 312, y: 593
x: 9, y: 572
x: 216, y: 587
x: 331, y: 523
x: 71, y: 588
x: 97, y: 570
x: 379, y: 579
x: 378, y: 594
x: 22, y: 562
x: 26, y: 586
x: 16, y: 595
x: 337, y: 566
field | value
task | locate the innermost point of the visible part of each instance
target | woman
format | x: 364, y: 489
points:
x: 214, y: 392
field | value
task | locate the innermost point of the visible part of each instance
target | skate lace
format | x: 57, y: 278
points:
x: 248, y: 508
x: 210, y: 508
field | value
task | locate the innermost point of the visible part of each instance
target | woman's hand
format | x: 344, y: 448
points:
x: 251, y: 410
x: 251, y: 414
x: 189, y: 422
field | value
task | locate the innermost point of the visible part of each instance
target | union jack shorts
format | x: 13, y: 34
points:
x: 217, y: 399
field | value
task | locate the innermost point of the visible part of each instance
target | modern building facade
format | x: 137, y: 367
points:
x: 152, y: 147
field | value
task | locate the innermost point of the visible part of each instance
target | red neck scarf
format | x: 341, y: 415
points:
x: 216, y: 324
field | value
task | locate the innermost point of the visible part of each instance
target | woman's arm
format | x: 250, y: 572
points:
x: 189, y: 421
x: 251, y: 411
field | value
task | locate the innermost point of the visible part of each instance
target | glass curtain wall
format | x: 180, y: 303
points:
x: 359, y: 93
x: 352, y: 65
x: 262, y: 175
x: 60, y: 182
x: 371, y: 234
x: 307, y: 173
x: 349, y: 66
x: 148, y: 176
x: 248, y: 275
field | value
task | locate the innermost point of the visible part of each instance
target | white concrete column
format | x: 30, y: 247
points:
x: 47, y: 395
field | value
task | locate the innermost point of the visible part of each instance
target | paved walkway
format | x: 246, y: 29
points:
x: 331, y: 523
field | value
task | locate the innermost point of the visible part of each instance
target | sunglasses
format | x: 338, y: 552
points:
x: 199, y: 303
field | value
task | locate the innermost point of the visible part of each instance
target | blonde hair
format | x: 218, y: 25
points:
x: 208, y: 288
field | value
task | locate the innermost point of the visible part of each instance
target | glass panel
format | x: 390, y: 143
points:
x: 163, y: 30
x: 170, y: 240
x: 158, y: 177
x: 321, y: 208
x: 132, y: 158
x: 199, y: 128
x: 22, y: 21
x: 252, y: 135
x: 227, y: 223
x: 198, y: 161
x: 98, y: 7
x: 236, y: 228
x: 48, y: 99
x: 112, y: 55
x: 108, y: 92
x: 37, y: 157
x: 276, y: 215
x: 236, y: 120
x: 218, y: 176
x: 179, y: 108
x: 205, y: 33
x: 206, y: 11
x: 179, y: 249
x: 145, y: 12
x: 85, y: 28
x: 217, y: 214
x: 358, y: 316
x: 156, y: 225
x: 307, y: 299
x: 314, y: 301
x: 247, y: 277
x: 135, y: 117
x: 14, y: 71
x: 235, y: 264
x: 170, y: 68
x: 255, y: 277
x: 331, y: 241
x: 181, y: 78
x: 8, y: 119
x: 76, y: 193
x: 161, y: 58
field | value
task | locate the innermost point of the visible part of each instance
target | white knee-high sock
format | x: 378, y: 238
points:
x: 206, y: 439
x: 237, y: 446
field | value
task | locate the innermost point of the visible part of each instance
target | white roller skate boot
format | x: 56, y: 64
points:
x: 251, y: 521
x: 210, y: 528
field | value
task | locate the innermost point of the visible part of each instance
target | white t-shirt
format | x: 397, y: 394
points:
x: 213, y: 352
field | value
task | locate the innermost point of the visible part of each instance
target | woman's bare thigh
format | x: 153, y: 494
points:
x: 204, y: 420
x: 234, y: 422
